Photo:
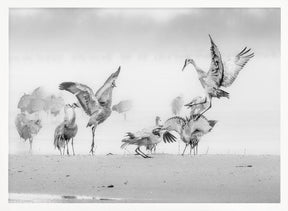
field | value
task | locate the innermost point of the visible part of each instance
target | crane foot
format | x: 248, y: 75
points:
x: 92, y: 151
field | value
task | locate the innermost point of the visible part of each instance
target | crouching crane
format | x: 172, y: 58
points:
x: 148, y: 139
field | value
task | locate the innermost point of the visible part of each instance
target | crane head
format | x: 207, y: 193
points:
x: 156, y: 131
x: 187, y: 61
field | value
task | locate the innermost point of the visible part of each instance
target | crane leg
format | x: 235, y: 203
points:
x: 204, y: 101
x: 72, y: 143
x: 206, y: 109
x: 30, y: 143
x: 191, y: 147
x: 139, y: 152
x: 185, y: 149
x: 93, y: 135
x: 67, y: 147
x: 154, y: 148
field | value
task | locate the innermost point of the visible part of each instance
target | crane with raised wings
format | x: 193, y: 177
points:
x: 220, y: 74
x: 98, y: 105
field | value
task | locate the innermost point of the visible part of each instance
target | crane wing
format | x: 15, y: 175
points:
x: 234, y: 65
x: 201, y: 125
x: 168, y: 137
x: 104, y: 94
x: 134, y: 139
x: 175, y: 123
x: 84, y: 94
x: 215, y: 72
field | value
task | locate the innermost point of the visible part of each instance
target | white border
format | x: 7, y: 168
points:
x: 4, y: 82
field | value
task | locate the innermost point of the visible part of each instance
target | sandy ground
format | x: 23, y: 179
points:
x: 163, y: 178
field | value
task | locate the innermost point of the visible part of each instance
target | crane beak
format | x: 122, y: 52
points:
x: 185, y: 64
x: 211, y: 40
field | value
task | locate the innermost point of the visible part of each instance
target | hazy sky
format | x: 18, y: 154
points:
x: 49, y: 46
x: 172, y: 32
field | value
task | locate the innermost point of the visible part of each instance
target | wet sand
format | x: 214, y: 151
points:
x: 129, y: 178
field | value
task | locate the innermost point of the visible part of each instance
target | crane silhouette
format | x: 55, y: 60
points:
x: 97, y: 106
x: 220, y: 74
x: 123, y: 107
x: 66, y: 131
x: 27, y: 128
x: 148, y: 139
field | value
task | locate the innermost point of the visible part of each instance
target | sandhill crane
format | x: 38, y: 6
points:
x: 220, y: 74
x: 122, y: 107
x: 97, y: 106
x: 66, y: 131
x: 176, y: 105
x: 148, y: 139
x: 189, y: 129
x: 27, y: 128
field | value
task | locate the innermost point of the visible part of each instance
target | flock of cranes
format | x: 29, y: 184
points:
x: 98, y: 107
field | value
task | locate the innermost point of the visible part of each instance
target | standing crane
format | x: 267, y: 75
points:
x: 27, y: 128
x: 66, y: 131
x: 96, y: 106
x: 220, y: 74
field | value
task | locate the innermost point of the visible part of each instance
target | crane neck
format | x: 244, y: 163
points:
x: 200, y: 72
x: 157, y: 122
x: 66, y: 116
x: 73, y: 117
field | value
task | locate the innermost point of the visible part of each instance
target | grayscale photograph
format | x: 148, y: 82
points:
x: 144, y: 105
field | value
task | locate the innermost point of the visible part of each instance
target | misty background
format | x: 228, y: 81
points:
x: 50, y: 46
